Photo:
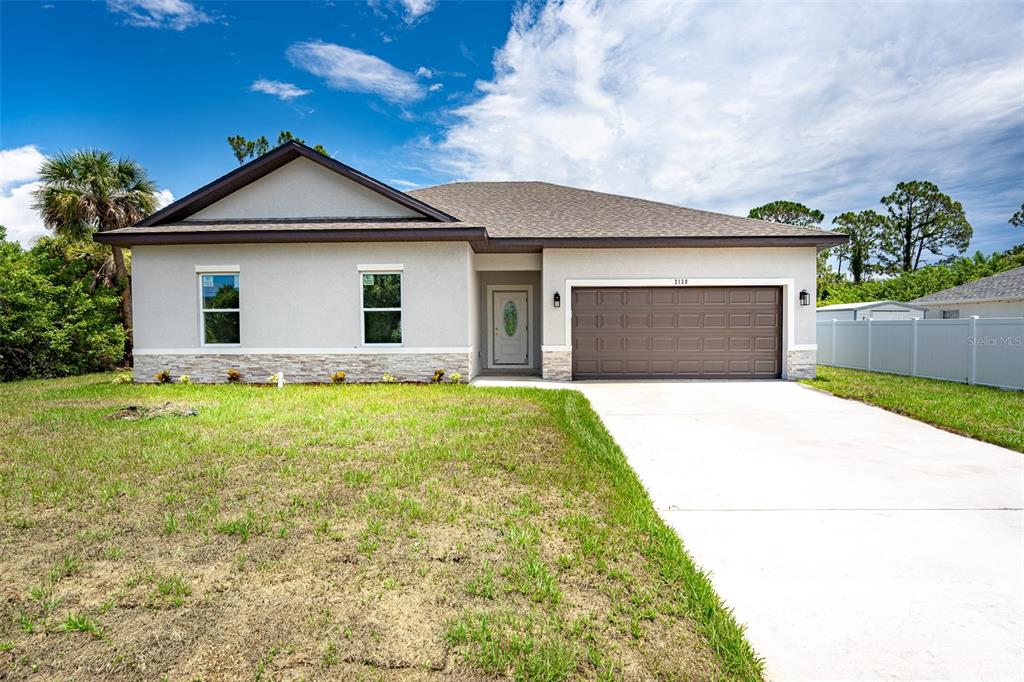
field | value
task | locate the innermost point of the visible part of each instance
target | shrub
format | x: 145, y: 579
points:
x: 388, y: 378
x: 234, y: 376
x: 438, y: 375
x: 338, y: 377
x: 275, y: 378
x: 53, y: 322
x: 123, y: 378
x: 184, y: 379
x: 455, y: 378
x: 162, y: 377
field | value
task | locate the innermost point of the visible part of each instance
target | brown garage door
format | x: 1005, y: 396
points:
x: 676, y: 332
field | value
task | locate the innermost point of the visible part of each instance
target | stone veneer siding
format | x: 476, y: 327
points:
x: 297, y: 368
x: 557, y: 365
x: 801, y: 364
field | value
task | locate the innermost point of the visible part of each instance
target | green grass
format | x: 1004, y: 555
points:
x: 340, y: 532
x: 985, y: 413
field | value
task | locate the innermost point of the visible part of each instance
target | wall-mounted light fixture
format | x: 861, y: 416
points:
x: 805, y: 298
x: 558, y: 300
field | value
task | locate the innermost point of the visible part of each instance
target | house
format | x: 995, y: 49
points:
x: 870, y: 310
x: 999, y: 295
x: 298, y: 263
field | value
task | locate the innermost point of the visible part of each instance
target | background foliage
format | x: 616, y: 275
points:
x: 926, y: 280
x: 54, y: 320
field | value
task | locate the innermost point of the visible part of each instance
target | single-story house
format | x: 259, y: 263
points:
x: 298, y: 263
x: 999, y: 295
x: 870, y: 310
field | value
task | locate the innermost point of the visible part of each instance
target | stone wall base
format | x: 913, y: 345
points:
x: 801, y: 364
x: 358, y: 367
x: 557, y: 365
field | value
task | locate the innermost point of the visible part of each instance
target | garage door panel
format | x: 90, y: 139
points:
x: 715, y: 295
x: 687, y: 332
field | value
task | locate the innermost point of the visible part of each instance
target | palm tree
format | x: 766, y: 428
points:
x: 89, y: 191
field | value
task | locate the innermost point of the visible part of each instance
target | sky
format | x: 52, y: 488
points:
x: 720, y: 106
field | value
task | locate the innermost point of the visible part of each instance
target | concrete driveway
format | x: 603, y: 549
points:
x: 855, y: 544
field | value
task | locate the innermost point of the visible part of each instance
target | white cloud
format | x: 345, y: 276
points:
x: 346, y: 69
x: 414, y: 9
x: 283, y: 91
x: 19, y: 170
x: 424, y: 72
x: 727, y: 106
x: 435, y: 87
x: 173, y: 14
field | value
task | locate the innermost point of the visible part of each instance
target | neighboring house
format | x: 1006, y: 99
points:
x: 298, y: 263
x: 870, y: 310
x: 999, y: 295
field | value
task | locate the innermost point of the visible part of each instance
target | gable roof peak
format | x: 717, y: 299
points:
x: 271, y: 161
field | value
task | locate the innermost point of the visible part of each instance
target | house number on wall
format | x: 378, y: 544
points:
x: 680, y: 282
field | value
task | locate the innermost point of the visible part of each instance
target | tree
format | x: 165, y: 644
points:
x: 789, y: 212
x: 921, y: 219
x: 1017, y: 219
x: 244, y: 149
x: 89, y: 191
x: 793, y: 213
x: 51, y: 323
x: 865, y: 230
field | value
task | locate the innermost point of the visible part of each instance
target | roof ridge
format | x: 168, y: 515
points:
x: 815, y: 230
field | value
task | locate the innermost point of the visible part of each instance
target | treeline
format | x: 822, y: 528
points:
x: 885, y: 258
x: 917, y: 283
x: 57, y: 315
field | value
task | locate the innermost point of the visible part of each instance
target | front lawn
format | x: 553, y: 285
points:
x: 336, y: 532
x: 988, y: 414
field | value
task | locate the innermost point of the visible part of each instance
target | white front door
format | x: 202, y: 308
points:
x: 510, y: 328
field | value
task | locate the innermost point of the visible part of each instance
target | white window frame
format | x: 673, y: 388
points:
x: 382, y: 270
x: 203, y: 310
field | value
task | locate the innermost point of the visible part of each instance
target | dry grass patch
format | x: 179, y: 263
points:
x: 337, y: 531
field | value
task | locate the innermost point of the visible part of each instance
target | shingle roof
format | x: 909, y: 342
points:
x: 494, y: 216
x: 541, y: 210
x: 1003, y: 285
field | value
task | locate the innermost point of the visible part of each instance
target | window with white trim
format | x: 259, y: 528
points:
x: 382, y: 308
x: 219, y: 315
x: 951, y: 314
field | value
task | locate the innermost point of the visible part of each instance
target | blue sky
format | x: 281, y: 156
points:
x: 722, y: 106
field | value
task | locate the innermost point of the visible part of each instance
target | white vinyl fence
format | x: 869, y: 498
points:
x: 973, y: 351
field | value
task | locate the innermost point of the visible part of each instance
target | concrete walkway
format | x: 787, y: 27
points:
x: 855, y: 544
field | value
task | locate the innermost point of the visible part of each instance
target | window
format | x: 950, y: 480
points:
x: 951, y: 314
x: 382, y: 307
x: 220, y: 315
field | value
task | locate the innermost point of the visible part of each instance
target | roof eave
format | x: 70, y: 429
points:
x: 528, y: 244
x: 130, y: 237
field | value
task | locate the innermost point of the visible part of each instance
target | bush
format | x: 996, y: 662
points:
x: 338, y: 377
x: 121, y: 379
x: 52, y: 321
x: 185, y: 379
x: 438, y: 375
x: 455, y: 378
x: 388, y: 378
x: 162, y: 377
x: 234, y: 376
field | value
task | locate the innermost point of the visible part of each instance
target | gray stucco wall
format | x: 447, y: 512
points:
x: 302, y: 296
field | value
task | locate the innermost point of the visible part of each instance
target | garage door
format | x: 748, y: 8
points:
x: 677, y: 332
